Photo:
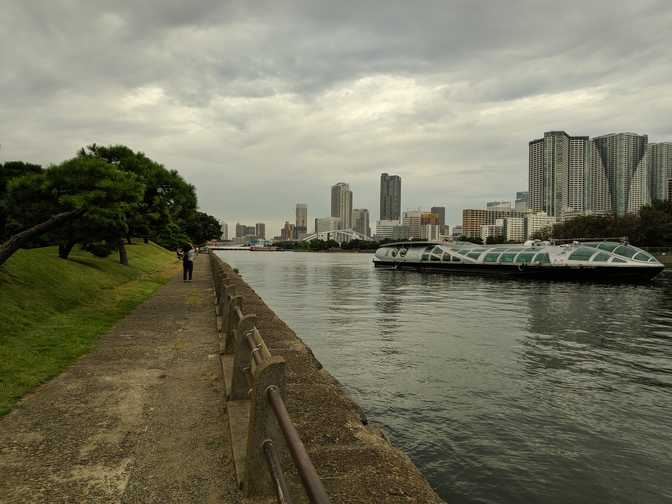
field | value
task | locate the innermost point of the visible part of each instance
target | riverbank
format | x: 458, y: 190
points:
x: 353, y: 457
x: 53, y: 310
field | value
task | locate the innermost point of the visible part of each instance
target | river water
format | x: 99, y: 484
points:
x: 499, y: 390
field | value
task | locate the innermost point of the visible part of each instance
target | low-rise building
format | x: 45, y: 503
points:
x: 537, y: 222
x: 514, y: 229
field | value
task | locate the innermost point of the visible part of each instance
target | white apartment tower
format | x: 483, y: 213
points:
x: 341, y: 204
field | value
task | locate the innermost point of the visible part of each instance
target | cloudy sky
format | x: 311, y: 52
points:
x: 263, y: 104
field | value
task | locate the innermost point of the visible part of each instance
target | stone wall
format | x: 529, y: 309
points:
x: 355, y: 461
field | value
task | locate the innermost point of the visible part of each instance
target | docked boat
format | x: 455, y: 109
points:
x: 590, y: 260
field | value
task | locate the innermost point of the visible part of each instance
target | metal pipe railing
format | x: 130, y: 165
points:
x: 276, y: 472
x: 311, y: 481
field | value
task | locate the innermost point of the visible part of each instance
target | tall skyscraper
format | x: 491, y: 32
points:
x: 521, y: 201
x: 225, y: 230
x: 341, y: 204
x: 360, y: 221
x: 260, y: 230
x: 557, y: 173
x: 441, y: 212
x: 659, y: 162
x: 301, y: 225
x: 390, y: 197
x: 619, y: 163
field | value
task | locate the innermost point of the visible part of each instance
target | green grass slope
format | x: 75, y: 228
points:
x: 52, y: 310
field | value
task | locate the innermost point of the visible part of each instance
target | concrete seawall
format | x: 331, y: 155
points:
x: 355, y: 461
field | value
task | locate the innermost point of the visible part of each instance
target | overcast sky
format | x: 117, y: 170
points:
x: 265, y: 104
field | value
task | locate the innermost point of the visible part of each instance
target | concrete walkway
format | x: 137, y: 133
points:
x: 139, y: 419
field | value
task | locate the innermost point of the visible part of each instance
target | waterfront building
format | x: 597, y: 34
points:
x: 514, y: 229
x: 538, y: 221
x: 243, y: 231
x: 341, y: 204
x: 327, y: 224
x: 391, y: 230
x: 499, y: 205
x: 659, y: 164
x: 287, y: 232
x: 441, y: 212
x: 521, y: 201
x: 431, y: 232
x: 558, y: 165
x: 491, y: 231
x: 390, y: 197
x: 360, y: 221
x: 225, y: 231
x: 473, y: 219
x: 301, y: 223
x: 260, y: 230
x: 413, y: 219
x: 619, y: 159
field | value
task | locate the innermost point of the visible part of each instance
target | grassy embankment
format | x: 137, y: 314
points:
x: 52, y: 310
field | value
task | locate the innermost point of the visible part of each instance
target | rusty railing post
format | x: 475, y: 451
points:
x: 263, y: 425
x: 242, y: 359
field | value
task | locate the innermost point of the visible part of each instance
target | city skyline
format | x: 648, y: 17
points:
x: 444, y: 95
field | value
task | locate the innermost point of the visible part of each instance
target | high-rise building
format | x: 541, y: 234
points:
x: 659, y: 163
x: 301, y: 225
x: 473, y: 219
x: 441, y: 212
x: 514, y: 229
x: 390, y: 197
x: 287, y: 232
x: 360, y: 221
x: 498, y: 205
x: 429, y: 218
x: 225, y: 230
x: 537, y: 221
x: 557, y: 172
x: 242, y: 230
x: 327, y: 224
x: 619, y: 163
x: 521, y: 201
x: 341, y: 204
x: 260, y: 230
x: 413, y: 219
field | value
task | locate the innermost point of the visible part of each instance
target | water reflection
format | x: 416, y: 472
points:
x: 501, y: 391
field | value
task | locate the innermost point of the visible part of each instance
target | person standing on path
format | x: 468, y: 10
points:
x: 189, y: 254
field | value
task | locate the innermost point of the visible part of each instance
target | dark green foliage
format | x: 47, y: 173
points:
x: 651, y: 228
x: 99, y: 249
x: 9, y: 171
x: 203, y: 227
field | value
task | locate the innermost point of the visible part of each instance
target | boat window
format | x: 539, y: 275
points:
x: 524, y: 257
x: 608, y: 246
x: 463, y: 251
x: 653, y: 259
x: 642, y: 256
x: 626, y: 251
x: 425, y: 257
x: 582, y: 254
x: 437, y: 250
x: 436, y: 258
x: 497, y: 249
x: 394, y: 253
x: 429, y: 249
x: 542, y: 258
x: 446, y: 256
x: 474, y: 255
x: 491, y: 258
x: 601, y: 257
x: 403, y: 252
x: 507, y: 257
x: 455, y: 259
x: 618, y: 260
x: 514, y: 249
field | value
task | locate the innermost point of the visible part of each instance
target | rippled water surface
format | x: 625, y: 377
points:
x: 499, y: 390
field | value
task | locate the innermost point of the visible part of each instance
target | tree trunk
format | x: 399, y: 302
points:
x: 123, y: 254
x: 15, y: 242
x: 146, y: 240
x: 64, y: 249
x: 128, y: 240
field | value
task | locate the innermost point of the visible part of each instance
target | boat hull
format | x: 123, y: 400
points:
x: 572, y: 273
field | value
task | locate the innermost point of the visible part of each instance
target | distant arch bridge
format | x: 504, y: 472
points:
x: 338, y: 235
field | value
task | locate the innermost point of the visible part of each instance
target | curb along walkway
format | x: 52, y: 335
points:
x: 139, y: 419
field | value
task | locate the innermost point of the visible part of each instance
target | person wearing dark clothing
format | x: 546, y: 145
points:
x: 189, y: 254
